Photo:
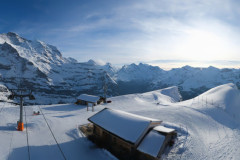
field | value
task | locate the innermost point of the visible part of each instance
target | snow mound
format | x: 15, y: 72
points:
x: 226, y: 97
x: 172, y: 92
x: 167, y: 95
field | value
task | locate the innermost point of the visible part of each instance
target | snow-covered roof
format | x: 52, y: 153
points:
x: 88, y: 98
x: 163, y: 129
x: 127, y: 126
x: 152, y: 143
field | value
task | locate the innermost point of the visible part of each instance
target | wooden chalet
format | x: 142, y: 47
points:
x: 124, y: 134
x: 85, y: 99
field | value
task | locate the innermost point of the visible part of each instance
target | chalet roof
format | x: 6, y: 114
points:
x: 88, y: 98
x: 163, y: 129
x: 152, y: 143
x: 127, y: 126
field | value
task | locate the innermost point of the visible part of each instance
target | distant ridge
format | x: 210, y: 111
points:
x: 57, y: 79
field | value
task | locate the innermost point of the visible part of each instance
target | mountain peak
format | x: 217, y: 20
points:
x: 11, y: 38
x: 96, y: 62
x: 91, y: 62
x: 12, y: 34
x: 212, y: 68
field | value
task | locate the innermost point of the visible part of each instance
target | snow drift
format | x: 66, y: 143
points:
x: 226, y: 97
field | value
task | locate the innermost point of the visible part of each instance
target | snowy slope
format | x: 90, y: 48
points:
x: 205, y: 130
x: 225, y: 97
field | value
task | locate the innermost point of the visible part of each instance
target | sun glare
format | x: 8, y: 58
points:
x: 203, y: 45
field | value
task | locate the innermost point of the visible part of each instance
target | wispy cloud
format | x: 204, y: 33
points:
x: 143, y: 30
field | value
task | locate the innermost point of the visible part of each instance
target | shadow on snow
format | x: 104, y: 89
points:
x: 76, y: 149
x: 65, y: 107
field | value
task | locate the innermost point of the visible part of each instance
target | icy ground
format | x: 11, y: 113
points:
x: 208, y: 126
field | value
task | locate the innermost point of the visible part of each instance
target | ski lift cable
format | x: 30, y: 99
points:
x: 3, y: 107
x: 11, y: 141
x: 27, y: 133
x: 52, y: 133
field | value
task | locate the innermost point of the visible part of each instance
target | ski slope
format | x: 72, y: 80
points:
x: 207, y: 128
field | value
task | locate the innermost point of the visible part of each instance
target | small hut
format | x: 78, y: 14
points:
x: 120, y: 132
x: 85, y: 99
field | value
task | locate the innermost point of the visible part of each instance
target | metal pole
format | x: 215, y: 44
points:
x: 21, y: 109
x: 20, y: 123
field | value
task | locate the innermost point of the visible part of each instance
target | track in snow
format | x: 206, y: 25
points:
x: 8, y: 131
x: 52, y: 134
x: 25, y: 145
x: 29, y: 157
x: 2, y: 107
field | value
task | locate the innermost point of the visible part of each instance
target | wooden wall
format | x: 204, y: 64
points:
x: 117, y: 146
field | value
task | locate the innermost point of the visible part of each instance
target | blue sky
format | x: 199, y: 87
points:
x: 122, y: 32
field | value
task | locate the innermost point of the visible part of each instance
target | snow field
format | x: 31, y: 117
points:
x: 205, y: 130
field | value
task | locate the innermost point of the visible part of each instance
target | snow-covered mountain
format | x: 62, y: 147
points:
x: 191, y: 81
x: 41, y: 67
x: 140, y: 72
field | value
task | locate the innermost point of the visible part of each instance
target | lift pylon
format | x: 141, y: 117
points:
x: 21, y: 93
